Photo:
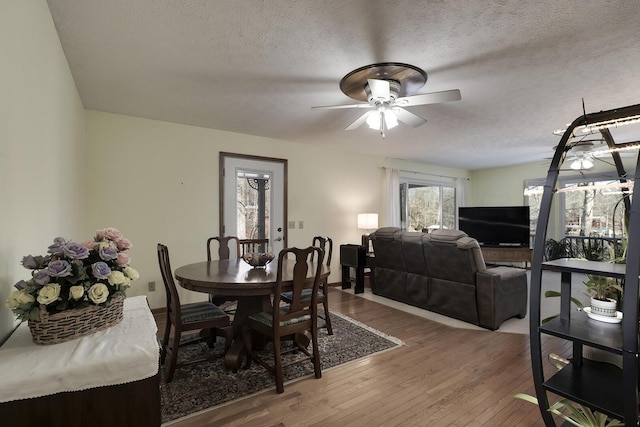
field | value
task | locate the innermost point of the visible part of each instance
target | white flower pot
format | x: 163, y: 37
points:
x: 604, y: 308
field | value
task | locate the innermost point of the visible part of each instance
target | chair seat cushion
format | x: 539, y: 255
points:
x: 197, y: 312
x: 305, y: 295
x: 266, y: 318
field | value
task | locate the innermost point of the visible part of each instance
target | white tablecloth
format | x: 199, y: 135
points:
x: 122, y: 354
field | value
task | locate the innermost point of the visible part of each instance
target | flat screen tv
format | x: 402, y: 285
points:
x: 496, y: 226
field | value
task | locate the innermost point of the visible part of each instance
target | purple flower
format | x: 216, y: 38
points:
x: 58, y: 246
x: 59, y: 268
x: 108, y: 253
x: 41, y: 277
x: 100, y: 270
x: 20, y: 285
x: 75, y: 251
x: 29, y: 262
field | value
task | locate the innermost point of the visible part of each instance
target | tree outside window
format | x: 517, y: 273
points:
x: 427, y: 206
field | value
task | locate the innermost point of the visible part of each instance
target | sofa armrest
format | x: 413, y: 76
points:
x: 501, y: 293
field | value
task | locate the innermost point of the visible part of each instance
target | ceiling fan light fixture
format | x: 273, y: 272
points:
x: 581, y: 164
x: 373, y: 119
x: 390, y: 119
x: 382, y: 116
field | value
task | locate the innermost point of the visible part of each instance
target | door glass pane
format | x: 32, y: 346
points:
x: 253, y: 205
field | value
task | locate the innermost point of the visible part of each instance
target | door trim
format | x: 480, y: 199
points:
x: 285, y: 218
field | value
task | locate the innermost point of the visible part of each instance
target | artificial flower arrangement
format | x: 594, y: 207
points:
x: 73, y: 276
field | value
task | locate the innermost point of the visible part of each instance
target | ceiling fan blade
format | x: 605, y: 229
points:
x: 379, y: 88
x: 344, y: 106
x: 408, y: 117
x: 430, y: 98
x: 359, y: 121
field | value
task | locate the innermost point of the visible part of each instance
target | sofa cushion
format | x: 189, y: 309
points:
x: 447, y: 236
x: 387, y: 246
x: 385, y: 233
x: 412, y: 244
x: 472, y: 244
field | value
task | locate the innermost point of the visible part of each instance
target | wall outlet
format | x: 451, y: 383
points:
x: 300, y: 225
x: 292, y: 224
x: 152, y: 286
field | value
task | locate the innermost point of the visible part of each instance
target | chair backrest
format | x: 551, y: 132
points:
x: 173, y: 300
x: 299, y: 306
x: 224, y: 251
x: 326, y: 244
x: 249, y: 246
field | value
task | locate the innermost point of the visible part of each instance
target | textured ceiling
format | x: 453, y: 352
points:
x: 257, y: 67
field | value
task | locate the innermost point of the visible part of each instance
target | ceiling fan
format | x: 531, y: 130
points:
x: 388, y: 87
x: 583, y: 152
x: 583, y: 155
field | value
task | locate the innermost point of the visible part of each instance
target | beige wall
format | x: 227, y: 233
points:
x: 158, y: 182
x: 41, y: 143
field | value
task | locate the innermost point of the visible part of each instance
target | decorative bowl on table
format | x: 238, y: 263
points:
x: 258, y: 259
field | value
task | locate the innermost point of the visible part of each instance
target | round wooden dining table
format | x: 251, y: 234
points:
x: 252, y: 287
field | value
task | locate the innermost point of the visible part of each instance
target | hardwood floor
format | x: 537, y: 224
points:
x: 443, y: 376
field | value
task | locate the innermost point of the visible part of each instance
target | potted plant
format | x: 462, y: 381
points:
x: 575, y: 414
x: 603, y: 292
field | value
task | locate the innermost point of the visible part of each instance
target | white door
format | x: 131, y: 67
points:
x: 253, y: 198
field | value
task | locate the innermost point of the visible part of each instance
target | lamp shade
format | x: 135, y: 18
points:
x: 367, y: 221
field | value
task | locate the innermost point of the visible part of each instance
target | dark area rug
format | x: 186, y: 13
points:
x: 205, y: 385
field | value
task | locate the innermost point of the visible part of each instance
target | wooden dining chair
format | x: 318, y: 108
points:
x: 326, y: 244
x: 283, y: 322
x: 203, y: 316
x: 225, y: 246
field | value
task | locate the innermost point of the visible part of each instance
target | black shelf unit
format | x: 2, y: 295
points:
x: 602, y: 387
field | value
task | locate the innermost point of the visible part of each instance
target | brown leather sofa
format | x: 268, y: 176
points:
x: 444, y: 272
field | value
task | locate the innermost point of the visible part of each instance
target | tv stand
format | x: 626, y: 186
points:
x: 507, y: 254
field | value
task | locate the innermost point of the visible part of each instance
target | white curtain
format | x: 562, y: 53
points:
x: 461, y: 191
x: 391, y: 198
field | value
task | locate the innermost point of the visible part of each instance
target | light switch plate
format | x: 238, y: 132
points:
x: 292, y: 224
x: 300, y: 225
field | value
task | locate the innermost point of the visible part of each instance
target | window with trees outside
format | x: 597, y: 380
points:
x: 427, y: 205
x: 591, y: 210
x: 253, y: 197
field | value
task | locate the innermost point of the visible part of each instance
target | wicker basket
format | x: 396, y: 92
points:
x: 71, y: 324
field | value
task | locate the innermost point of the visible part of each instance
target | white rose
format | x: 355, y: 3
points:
x: 116, y: 278
x: 131, y: 273
x: 48, y: 293
x: 98, y: 293
x: 18, y: 298
x: 123, y: 287
x: 76, y: 292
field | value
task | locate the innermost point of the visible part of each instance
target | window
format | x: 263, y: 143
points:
x: 596, y: 212
x: 427, y: 205
x: 588, y: 208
